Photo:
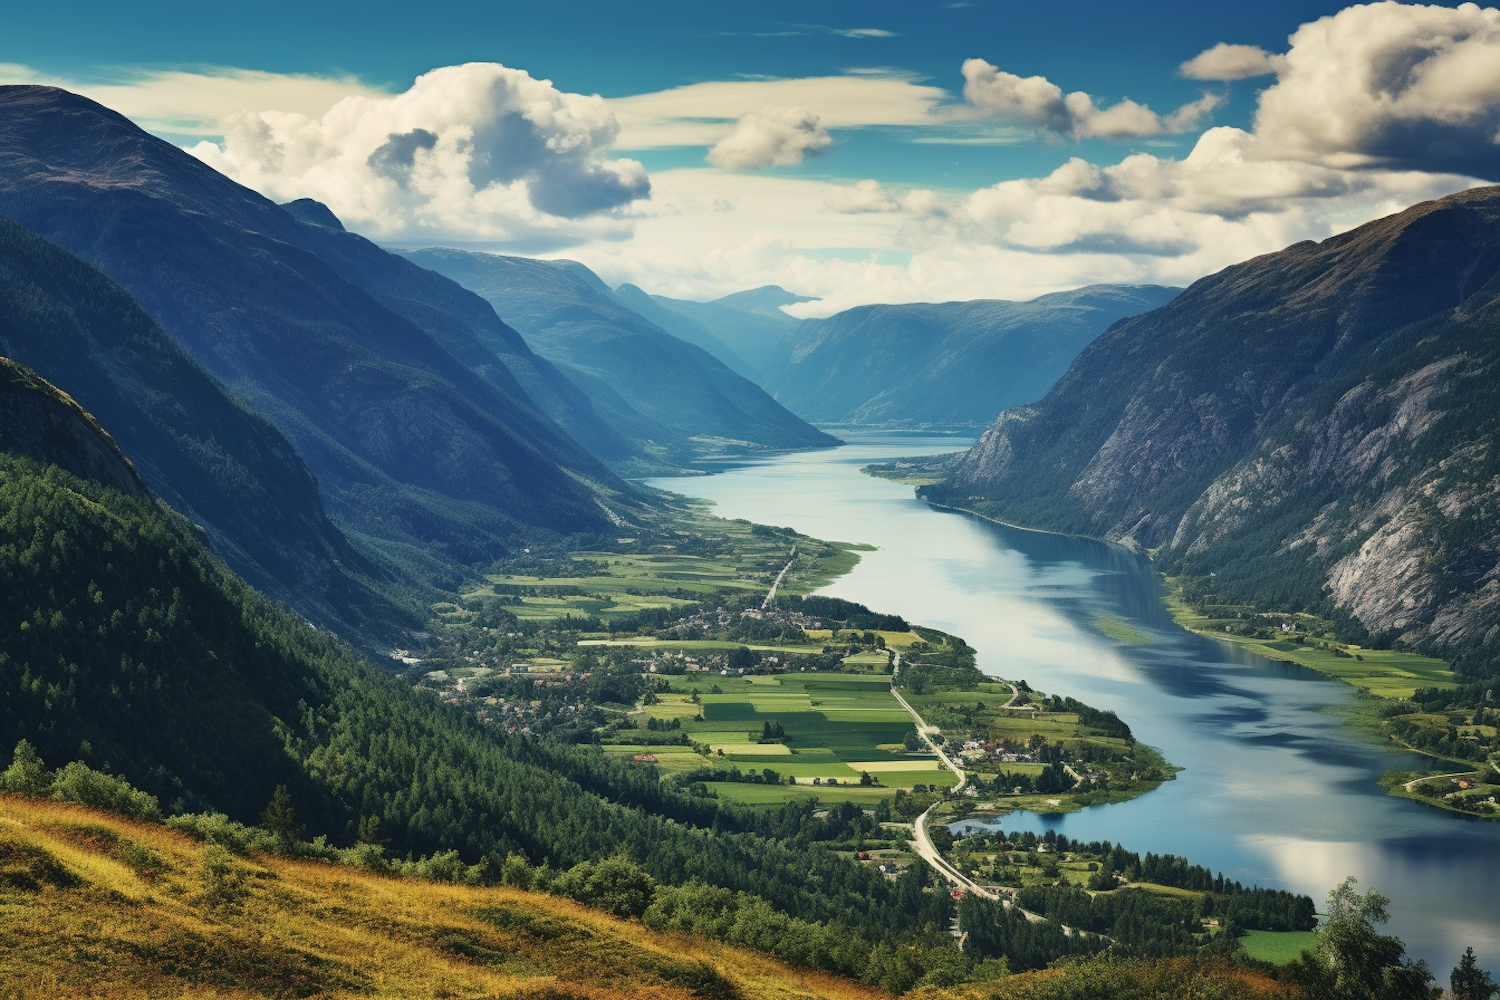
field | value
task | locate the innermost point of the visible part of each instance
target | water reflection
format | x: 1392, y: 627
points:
x: 1274, y: 791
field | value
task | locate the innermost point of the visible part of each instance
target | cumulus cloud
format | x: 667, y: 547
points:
x: 476, y: 152
x: 868, y: 197
x: 1037, y: 101
x: 1231, y: 62
x: 701, y: 114
x: 1389, y: 85
x: 777, y: 137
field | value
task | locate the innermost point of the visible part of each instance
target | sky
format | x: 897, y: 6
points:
x: 853, y: 152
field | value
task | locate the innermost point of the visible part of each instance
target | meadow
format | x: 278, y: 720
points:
x: 99, y: 906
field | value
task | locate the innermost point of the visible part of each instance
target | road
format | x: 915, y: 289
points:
x: 772, y: 595
x: 922, y: 842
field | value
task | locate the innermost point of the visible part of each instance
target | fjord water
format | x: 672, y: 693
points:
x: 1274, y: 790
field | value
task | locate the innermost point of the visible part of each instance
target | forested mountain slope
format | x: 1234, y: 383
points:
x: 416, y: 438
x: 946, y: 364
x: 658, y: 388
x: 1315, y: 424
x: 215, y: 462
x: 136, y: 652
x: 36, y: 418
x: 683, y: 328
x: 462, y: 323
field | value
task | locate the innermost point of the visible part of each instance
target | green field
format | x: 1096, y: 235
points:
x: 1381, y: 672
x: 618, y: 584
x: 1277, y: 947
x: 840, y: 726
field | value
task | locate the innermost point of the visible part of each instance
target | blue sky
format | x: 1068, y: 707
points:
x: 703, y: 187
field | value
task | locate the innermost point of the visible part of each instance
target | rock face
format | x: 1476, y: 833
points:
x: 1315, y: 426
x: 420, y: 434
x: 44, y: 423
x: 673, y: 398
x: 946, y: 364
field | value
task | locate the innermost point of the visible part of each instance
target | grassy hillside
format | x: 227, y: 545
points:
x: 96, y: 905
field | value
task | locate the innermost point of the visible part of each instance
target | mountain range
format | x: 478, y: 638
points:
x: 1312, y: 428
x: 945, y: 364
x: 402, y: 392
x: 750, y: 324
x: 673, y: 397
x: 223, y: 467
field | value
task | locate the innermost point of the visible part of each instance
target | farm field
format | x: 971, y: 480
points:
x: 838, y: 726
x: 610, y: 585
x: 1380, y: 672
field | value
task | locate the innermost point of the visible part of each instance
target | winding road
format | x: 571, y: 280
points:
x: 922, y: 842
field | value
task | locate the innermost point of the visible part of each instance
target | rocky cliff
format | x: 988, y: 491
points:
x: 1313, y: 427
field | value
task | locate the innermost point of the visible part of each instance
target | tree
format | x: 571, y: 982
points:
x: 27, y: 775
x: 1352, y: 961
x: 1469, y: 981
x: 280, y: 820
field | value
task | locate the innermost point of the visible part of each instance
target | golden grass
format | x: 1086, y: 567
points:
x: 82, y: 915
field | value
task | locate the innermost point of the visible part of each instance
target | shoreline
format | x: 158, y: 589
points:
x: 1399, y: 672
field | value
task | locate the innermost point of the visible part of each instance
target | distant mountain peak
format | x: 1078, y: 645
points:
x: 762, y: 300
x: 314, y: 213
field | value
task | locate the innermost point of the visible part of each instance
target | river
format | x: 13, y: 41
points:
x: 1274, y: 790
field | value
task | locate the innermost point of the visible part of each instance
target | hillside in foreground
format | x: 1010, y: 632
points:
x: 97, y: 905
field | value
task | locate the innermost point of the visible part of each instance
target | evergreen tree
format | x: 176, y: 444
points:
x: 1469, y: 981
x: 27, y: 775
x: 280, y: 820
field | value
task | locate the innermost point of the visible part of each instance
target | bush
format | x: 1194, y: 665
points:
x: 77, y: 782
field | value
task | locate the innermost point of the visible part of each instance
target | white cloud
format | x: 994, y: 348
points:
x: 194, y: 102
x: 1390, y: 85
x: 478, y: 151
x: 871, y: 197
x: 1231, y: 62
x: 701, y: 114
x: 1037, y: 101
x: 777, y: 137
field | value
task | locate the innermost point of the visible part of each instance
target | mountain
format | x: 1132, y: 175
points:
x: 424, y: 443
x: 38, y: 419
x: 211, y: 459
x: 946, y: 364
x: 749, y: 323
x: 1314, y: 428
x: 662, y: 390
x: 679, y: 326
